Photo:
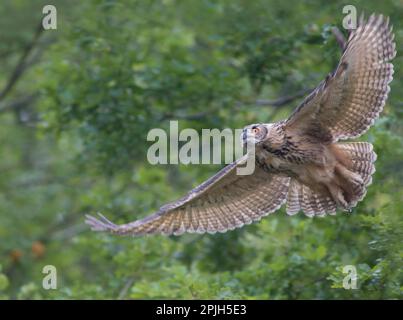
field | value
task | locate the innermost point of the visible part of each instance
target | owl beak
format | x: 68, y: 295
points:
x: 247, y: 137
x: 244, y: 137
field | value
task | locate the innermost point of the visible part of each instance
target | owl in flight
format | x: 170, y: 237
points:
x: 299, y: 161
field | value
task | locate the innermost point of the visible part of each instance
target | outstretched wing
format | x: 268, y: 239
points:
x: 349, y: 100
x: 224, y: 202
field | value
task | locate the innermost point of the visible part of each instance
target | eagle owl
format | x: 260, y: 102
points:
x: 299, y: 161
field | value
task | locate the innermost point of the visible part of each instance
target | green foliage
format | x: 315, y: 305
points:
x: 116, y: 69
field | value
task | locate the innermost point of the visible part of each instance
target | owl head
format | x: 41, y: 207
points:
x: 271, y: 134
x: 254, y: 133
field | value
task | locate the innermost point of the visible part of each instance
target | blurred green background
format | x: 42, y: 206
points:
x: 76, y: 105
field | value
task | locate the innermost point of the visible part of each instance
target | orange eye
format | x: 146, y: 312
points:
x: 255, y: 130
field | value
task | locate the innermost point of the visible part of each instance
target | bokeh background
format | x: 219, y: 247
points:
x: 76, y: 105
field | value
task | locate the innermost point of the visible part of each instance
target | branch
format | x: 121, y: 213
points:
x: 282, y: 100
x: 125, y: 289
x: 18, y: 103
x: 195, y: 116
x: 21, y: 65
x: 260, y: 102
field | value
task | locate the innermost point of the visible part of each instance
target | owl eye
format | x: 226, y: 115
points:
x: 255, y: 130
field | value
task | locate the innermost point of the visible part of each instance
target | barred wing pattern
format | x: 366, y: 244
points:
x: 348, y: 102
x: 302, y: 197
x: 224, y: 202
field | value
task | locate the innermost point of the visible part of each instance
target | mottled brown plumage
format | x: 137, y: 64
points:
x: 299, y: 160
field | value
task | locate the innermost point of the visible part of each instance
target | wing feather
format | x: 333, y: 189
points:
x: 351, y: 98
x: 224, y: 202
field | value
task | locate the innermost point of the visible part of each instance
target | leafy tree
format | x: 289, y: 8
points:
x: 76, y: 105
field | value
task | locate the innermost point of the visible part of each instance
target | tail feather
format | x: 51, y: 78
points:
x: 312, y: 203
x: 362, y: 158
x: 353, y: 174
